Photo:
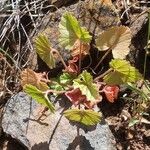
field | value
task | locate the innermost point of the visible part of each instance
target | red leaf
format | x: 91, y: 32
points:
x: 72, y: 67
x: 74, y: 59
x: 89, y: 104
x: 111, y: 92
x: 75, y: 96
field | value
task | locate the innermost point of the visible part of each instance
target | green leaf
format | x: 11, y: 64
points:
x: 86, y: 117
x: 70, y: 31
x: 56, y: 86
x: 66, y: 78
x: 133, y: 121
x: 43, y: 48
x: 85, y: 83
x: 61, y: 83
x: 122, y: 73
x: 38, y: 96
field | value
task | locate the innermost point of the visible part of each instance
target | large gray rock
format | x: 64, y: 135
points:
x: 55, y: 132
x: 90, y: 13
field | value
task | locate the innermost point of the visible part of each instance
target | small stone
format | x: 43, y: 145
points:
x: 54, y: 132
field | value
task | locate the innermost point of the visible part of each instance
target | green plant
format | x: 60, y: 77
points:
x: 141, y: 104
x: 78, y: 85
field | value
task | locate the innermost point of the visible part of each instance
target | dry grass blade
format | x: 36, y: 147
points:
x: 17, y: 19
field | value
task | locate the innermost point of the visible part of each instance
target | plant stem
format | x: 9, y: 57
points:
x: 102, y: 75
x: 42, y: 113
x: 54, y: 91
x: 108, y: 51
x: 61, y: 59
x: 146, y: 53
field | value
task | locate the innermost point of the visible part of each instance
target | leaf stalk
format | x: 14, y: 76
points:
x: 108, y: 51
x: 61, y: 59
x: 102, y: 75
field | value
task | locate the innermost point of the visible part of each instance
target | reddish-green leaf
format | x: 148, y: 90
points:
x: 85, y: 83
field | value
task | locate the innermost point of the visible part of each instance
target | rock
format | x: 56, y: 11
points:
x: 54, y: 132
x: 138, y: 23
x: 139, y: 28
x: 16, y: 111
x: 90, y: 13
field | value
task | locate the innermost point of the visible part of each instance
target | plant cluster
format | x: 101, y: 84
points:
x: 142, y: 104
x: 78, y: 85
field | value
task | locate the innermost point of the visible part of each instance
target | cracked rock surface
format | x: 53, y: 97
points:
x: 53, y: 131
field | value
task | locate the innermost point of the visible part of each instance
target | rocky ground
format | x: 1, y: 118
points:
x: 132, y: 13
